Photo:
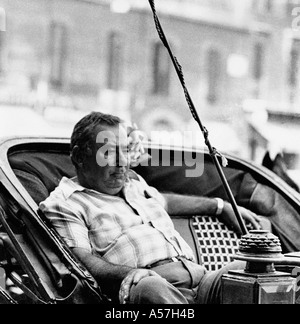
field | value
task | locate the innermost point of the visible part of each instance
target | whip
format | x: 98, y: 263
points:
x: 214, y: 153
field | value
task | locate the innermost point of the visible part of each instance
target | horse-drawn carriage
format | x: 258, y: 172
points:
x: 42, y: 268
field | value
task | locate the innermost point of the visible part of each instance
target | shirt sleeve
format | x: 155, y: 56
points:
x: 69, y: 225
x: 153, y: 192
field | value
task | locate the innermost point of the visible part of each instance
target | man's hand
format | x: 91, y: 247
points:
x: 229, y: 218
x: 133, y: 278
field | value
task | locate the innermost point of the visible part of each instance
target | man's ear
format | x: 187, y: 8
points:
x: 77, y: 157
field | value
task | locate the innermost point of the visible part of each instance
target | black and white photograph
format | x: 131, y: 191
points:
x: 149, y: 155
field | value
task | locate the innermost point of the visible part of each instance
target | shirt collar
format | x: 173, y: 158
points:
x: 69, y: 186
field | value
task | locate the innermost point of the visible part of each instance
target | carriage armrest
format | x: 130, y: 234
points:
x: 184, y: 225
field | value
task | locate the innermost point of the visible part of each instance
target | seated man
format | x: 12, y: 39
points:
x: 120, y: 228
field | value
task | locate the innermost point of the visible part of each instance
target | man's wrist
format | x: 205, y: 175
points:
x: 220, y: 206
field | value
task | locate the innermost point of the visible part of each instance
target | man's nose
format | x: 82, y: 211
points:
x: 122, y: 159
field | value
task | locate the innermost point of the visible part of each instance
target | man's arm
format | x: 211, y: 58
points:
x: 100, y: 269
x: 181, y: 205
x: 119, y: 278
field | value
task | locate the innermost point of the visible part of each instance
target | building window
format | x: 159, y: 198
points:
x: 58, y: 54
x: 262, y: 7
x: 214, y: 65
x: 258, y: 62
x: 115, y: 61
x: 161, y: 70
x: 294, y: 66
x: 293, y: 71
x: 269, y: 5
x: 2, y: 48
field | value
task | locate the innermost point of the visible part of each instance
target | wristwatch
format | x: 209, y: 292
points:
x: 221, y: 205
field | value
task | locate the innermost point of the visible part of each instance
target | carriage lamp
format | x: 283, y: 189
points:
x: 259, y: 282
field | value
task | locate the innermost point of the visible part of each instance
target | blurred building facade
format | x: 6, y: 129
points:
x: 106, y: 55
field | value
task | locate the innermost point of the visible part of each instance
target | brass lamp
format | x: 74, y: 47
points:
x: 259, y: 283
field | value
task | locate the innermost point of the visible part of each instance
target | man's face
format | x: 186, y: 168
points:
x: 105, y: 169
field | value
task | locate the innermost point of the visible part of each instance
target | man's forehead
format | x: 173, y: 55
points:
x: 115, y: 135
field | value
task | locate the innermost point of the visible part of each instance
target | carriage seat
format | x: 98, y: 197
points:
x: 40, y: 173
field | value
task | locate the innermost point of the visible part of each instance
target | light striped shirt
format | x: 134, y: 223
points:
x: 133, y: 230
